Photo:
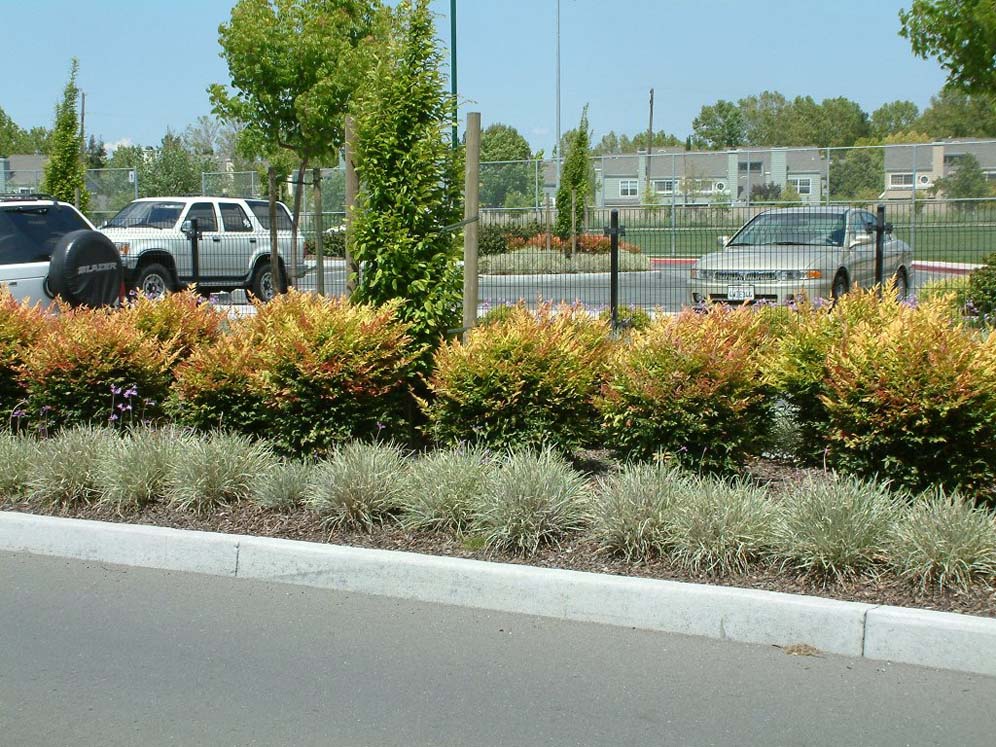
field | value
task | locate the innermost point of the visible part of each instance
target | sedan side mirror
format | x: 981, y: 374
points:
x: 722, y: 241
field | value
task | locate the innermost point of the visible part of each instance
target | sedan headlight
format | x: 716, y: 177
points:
x: 696, y: 274
x: 799, y: 274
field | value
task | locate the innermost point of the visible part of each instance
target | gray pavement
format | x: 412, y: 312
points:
x: 98, y: 654
x: 664, y: 287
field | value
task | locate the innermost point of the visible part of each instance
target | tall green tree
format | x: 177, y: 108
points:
x: 857, y: 175
x: 294, y: 67
x: 961, y: 34
x: 410, y: 180
x: 170, y: 170
x: 953, y: 113
x: 967, y: 181
x: 505, y: 170
x: 721, y: 125
x: 577, y: 178
x: 65, y: 171
x: 96, y: 153
x: 893, y: 118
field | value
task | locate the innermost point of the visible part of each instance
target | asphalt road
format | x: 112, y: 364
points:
x: 664, y: 287
x: 93, y: 654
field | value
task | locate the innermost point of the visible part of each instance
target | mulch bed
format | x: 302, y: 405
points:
x: 574, y: 554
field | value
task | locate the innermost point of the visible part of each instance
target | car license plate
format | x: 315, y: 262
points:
x: 740, y: 293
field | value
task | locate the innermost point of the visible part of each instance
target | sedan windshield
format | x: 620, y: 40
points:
x: 147, y: 215
x: 787, y: 229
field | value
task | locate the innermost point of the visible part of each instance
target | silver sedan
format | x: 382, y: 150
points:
x: 787, y: 253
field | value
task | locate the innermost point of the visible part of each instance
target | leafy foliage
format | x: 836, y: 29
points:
x: 980, y: 296
x: 689, y: 386
x: 576, y: 178
x: 525, y: 380
x: 92, y: 366
x: 179, y: 322
x: 65, y: 172
x: 20, y: 326
x: 913, y: 398
x: 308, y: 372
x: 411, y: 182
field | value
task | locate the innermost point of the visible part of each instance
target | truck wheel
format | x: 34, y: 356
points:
x: 262, y: 285
x: 154, y: 280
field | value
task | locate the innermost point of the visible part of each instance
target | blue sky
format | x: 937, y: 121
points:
x: 145, y: 64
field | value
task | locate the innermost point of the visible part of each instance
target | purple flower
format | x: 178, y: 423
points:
x: 113, y: 417
x: 18, y: 414
x: 115, y: 389
x: 47, y: 408
x: 380, y: 426
x: 132, y: 391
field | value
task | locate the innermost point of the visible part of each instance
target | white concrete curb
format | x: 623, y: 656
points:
x: 936, y: 639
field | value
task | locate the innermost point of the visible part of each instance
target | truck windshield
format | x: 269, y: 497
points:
x: 147, y: 214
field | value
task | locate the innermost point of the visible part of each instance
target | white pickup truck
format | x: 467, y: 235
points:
x: 234, y: 245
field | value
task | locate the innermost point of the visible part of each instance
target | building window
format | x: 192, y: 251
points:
x: 755, y: 166
x: 628, y: 187
x: 665, y: 186
x: 990, y: 176
x: 720, y: 187
x: 900, y: 180
x: 803, y: 185
x: 924, y: 179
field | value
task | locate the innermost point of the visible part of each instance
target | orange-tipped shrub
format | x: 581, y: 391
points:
x: 689, y: 387
x: 20, y: 326
x: 180, y: 322
x: 308, y: 372
x: 912, y: 398
x: 525, y: 380
x: 94, y: 366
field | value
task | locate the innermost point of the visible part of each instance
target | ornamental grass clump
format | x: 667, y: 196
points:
x: 441, y: 487
x: 526, y: 380
x: 358, y: 486
x: 690, y: 386
x: 632, y: 509
x: 20, y: 326
x: 834, y: 526
x: 912, y: 398
x: 134, y: 470
x: 944, y: 541
x: 65, y: 470
x: 18, y: 455
x: 719, y: 525
x: 216, y: 470
x: 180, y: 322
x: 82, y: 358
x: 283, y: 486
x: 533, y: 499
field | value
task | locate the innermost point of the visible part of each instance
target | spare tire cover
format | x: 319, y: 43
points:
x: 86, y: 269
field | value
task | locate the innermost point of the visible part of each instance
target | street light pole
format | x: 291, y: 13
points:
x: 453, y: 68
x: 559, y: 148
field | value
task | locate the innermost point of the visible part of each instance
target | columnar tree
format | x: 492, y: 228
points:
x: 65, y: 172
x: 410, y: 180
x: 576, y: 178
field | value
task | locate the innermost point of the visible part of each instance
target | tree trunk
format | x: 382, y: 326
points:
x: 299, y: 186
